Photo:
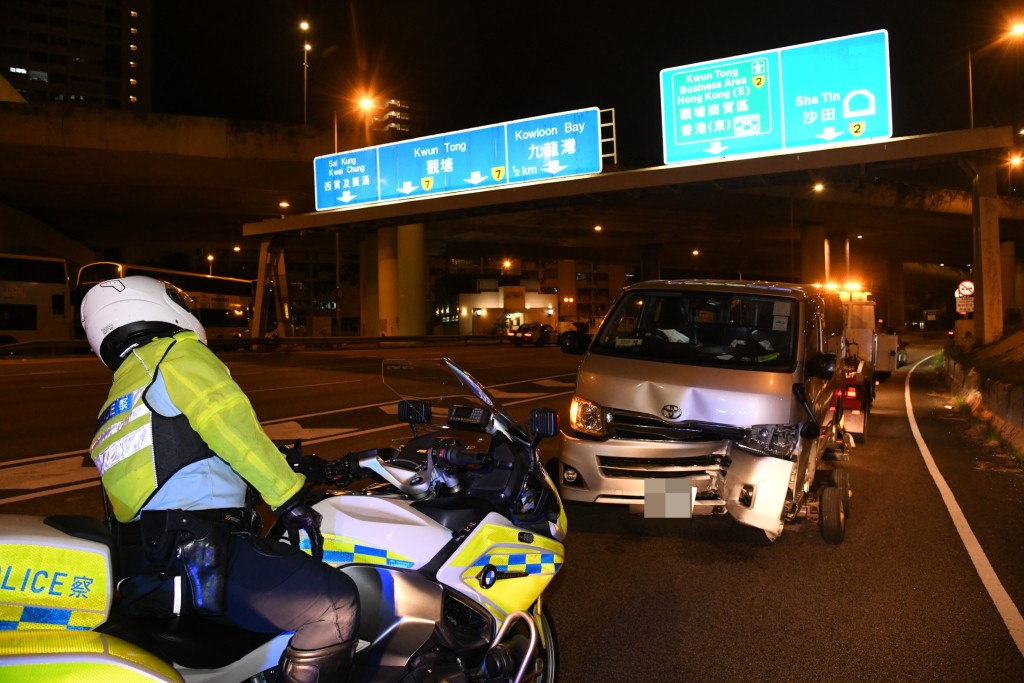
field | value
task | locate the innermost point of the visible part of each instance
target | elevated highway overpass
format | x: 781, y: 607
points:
x: 82, y: 181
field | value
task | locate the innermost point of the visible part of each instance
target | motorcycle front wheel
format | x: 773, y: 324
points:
x: 545, y: 662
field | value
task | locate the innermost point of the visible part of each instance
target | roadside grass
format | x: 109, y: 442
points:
x: 983, y: 427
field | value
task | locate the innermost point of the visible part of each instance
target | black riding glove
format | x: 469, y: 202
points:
x: 297, y: 516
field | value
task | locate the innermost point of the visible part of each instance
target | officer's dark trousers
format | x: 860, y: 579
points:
x: 274, y: 587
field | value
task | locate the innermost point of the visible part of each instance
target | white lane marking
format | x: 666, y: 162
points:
x: 50, y: 492
x: 1003, y: 602
x: 36, y: 476
x: 555, y: 384
x: 506, y: 395
x: 289, y: 431
x: 287, y: 426
x: 303, y: 386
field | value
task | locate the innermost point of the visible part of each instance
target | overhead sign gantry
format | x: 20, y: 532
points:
x: 815, y: 95
x: 527, y: 150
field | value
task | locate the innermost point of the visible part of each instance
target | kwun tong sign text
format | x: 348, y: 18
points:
x: 529, y: 150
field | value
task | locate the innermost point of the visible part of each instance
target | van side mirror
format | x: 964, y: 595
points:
x: 822, y: 365
x: 574, y: 342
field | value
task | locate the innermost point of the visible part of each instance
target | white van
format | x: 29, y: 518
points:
x: 708, y: 397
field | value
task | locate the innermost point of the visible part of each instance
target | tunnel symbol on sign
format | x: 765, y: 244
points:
x: 865, y: 101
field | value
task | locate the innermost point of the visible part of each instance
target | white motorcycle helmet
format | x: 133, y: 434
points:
x: 121, y: 314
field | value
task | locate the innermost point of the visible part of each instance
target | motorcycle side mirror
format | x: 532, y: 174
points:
x: 414, y: 412
x: 822, y: 365
x: 543, y: 423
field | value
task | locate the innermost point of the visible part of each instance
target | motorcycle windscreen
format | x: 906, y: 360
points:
x: 755, y: 490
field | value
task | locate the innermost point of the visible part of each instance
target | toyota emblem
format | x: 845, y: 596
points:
x: 671, y: 412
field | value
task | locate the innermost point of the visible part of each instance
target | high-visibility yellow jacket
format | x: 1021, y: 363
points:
x: 137, y: 450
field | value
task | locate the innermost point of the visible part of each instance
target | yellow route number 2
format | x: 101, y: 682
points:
x: 857, y: 128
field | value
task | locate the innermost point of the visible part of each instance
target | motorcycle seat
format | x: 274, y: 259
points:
x: 190, y: 641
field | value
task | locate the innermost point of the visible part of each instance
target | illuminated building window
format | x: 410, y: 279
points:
x: 132, y: 99
x: 133, y: 48
x: 132, y: 81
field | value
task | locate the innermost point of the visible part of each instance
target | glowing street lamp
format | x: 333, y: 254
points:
x: 209, y: 257
x: 366, y: 105
x: 1015, y: 162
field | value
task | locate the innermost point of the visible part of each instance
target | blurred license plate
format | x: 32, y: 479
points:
x: 668, y: 498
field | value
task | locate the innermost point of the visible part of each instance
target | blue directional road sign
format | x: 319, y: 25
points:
x: 818, y: 94
x: 346, y: 179
x: 462, y: 160
x: 528, y: 150
x: 554, y: 146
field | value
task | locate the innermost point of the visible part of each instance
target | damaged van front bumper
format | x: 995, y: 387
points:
x: 692, y: 479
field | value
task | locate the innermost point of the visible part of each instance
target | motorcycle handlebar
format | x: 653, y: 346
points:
x: 451, y: 452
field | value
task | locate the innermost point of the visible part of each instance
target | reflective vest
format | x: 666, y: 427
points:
x: 137, y: 450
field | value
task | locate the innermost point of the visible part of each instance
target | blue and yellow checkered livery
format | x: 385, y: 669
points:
x: 48, y: 588
x: 339, y: 550
x: 523, y: 565
x: 518, y: 563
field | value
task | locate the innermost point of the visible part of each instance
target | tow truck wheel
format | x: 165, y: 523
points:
x: 841, y: 478
x: 831, y: 516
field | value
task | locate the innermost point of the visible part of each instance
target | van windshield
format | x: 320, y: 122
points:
x: 702, y: 328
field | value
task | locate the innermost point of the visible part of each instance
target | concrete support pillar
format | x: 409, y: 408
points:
x: 567, y: 294
x: 988, y: 285
x: 387, y: 281
x: 1007, y: 269
x: 896, y: 318
x: 412, y: 281
x: 813, y: 254
x: 271, y: 268
x: 1018, y: 284
x: 650, y: 263
x: 369, y: 318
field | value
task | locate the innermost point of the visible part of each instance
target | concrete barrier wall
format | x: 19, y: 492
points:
x: 86, y: 128
x: 1000, y: 403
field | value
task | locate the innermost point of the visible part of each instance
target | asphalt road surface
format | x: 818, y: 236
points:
x: 927, y: 586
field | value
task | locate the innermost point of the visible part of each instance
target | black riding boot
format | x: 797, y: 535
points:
x: 326, y: 665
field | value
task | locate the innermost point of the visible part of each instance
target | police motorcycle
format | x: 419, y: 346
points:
x: 451, y: 537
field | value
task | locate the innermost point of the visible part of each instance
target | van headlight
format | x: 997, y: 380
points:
x: 779, y: 441
x: 586, y: 417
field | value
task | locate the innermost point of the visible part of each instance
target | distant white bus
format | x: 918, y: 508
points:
x: 222, y: 304
x: 35, y: 299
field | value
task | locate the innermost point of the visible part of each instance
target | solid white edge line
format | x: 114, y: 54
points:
x: 1002, y: 600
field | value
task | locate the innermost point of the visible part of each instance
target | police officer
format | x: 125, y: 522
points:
x: 176, y: 444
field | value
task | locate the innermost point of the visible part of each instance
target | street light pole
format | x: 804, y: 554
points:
x: 970, y: 85
x: 306, y: 47
x: 1015, y: 31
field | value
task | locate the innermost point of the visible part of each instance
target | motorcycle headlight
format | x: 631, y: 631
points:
x: 586, y: 417
x: 779, y: 441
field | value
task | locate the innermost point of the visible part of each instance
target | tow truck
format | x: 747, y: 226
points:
x: 871, y: 357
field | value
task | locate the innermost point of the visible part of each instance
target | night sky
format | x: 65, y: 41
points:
x: 480, y: 63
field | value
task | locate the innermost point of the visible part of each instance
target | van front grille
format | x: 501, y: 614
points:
x: 657, y: 468
x: 644, y: 427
